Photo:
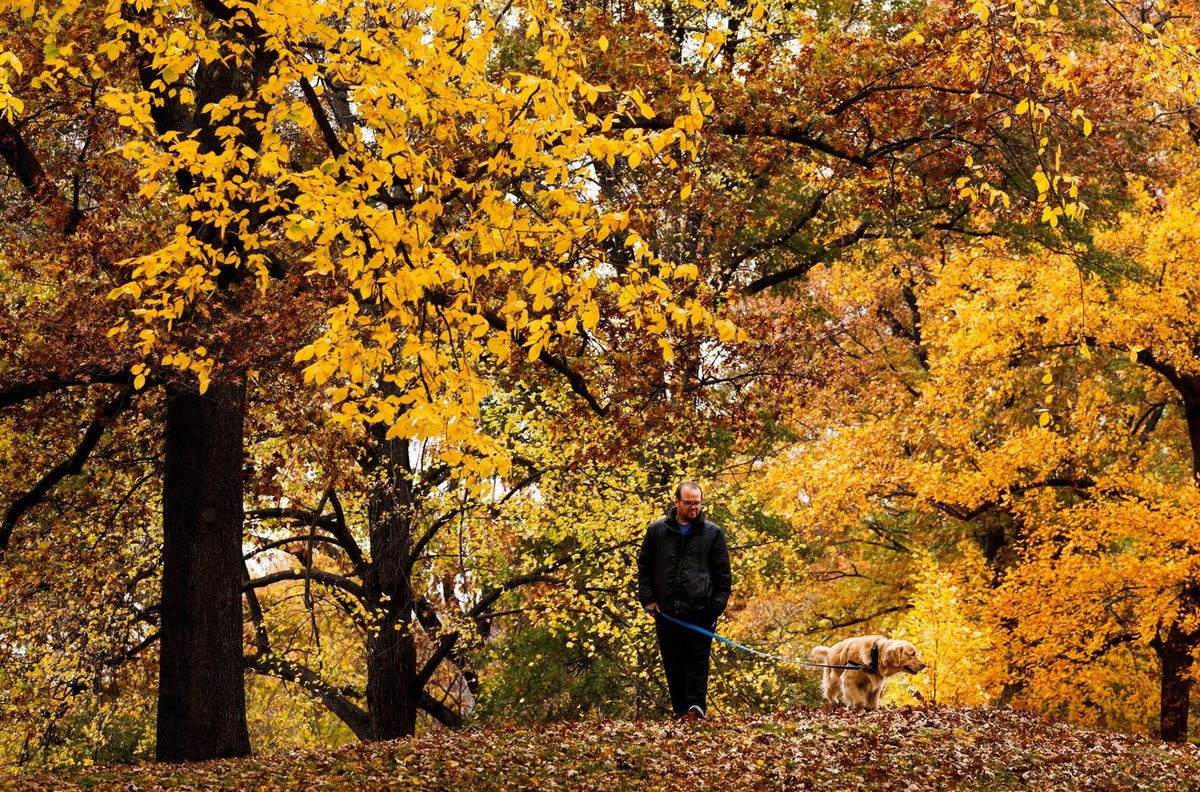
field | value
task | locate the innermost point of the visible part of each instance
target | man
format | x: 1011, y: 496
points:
x: 683, y: 571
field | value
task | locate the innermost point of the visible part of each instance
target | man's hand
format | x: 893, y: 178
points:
x: 651, y: 607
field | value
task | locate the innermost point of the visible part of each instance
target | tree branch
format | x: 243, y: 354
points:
x: 276, y: 543
x: 336, y: 700
x: 320, y: 576
x: 342, y: 532
x: 70, y: 467
x: 26, y: 167
x: 19, y: 392
x: 776, y: 278
x: 303, y: 516
x: 966, y: 515
x: 768, y: 244
x: 574, y: 378
x: 493, y: 594
x: 327, y: 131
x: 444, y: 715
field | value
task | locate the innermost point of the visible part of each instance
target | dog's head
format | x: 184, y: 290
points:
x: 901, y: 656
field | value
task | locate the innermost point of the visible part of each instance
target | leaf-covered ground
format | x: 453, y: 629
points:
x: 892, y: 749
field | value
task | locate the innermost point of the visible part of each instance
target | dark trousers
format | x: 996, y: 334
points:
x: 685, y: 655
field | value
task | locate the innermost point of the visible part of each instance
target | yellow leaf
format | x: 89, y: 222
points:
x: 498, y: 345
x: 591, y: 316
x: 603, y: 43
x: 1043, y: 184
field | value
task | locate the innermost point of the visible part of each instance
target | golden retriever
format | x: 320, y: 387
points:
x: 881, y: 658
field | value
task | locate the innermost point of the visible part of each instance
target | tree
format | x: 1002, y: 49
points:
x: 956, y: 644
x: 224, y: 103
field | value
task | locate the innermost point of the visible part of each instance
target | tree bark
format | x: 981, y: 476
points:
x: 392, y: 696
x: 201, y: 690
x: 1175, y: 685
x: 1177, y: 648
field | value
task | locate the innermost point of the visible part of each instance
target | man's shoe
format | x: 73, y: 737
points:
x: 694, y: 713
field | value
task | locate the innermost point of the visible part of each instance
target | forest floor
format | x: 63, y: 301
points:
x: 936, y: 748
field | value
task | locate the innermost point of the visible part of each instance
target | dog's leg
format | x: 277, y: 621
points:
x: 829, y: 686
x: 862, y: 685
x: 850, y: 692
x: 873, y: 694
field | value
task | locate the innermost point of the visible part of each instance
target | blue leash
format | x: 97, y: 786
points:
x: 744, y: 648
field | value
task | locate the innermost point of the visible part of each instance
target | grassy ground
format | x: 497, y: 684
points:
x: 938, y: 748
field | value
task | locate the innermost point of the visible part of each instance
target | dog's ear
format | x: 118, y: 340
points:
x: 891, y: 654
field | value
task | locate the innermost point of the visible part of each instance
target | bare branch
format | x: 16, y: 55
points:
x: 320, y: 576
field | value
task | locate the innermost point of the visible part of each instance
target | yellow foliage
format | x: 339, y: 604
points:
x: 945, y: 624
x: 1041, y: 419
x: 432, y: 180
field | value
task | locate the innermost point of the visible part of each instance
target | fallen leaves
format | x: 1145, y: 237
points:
x: 935, y: 748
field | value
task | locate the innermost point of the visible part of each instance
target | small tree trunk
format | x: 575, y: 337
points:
x: 391, y: 647
x: 201, y: 687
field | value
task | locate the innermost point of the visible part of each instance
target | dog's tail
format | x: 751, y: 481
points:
x: 820, y: 653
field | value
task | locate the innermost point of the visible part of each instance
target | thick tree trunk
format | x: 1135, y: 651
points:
x: 201, y: 688
x: 1177, y: 649
x: 392, y: 696
x: 1175, y: 652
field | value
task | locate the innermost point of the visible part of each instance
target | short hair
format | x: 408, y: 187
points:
x: 691, y: 485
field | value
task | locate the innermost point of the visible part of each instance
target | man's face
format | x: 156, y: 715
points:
x: 687, y: 505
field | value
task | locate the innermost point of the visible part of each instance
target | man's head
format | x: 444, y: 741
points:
x: 688, y: 499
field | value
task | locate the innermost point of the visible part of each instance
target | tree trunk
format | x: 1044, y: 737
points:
x: 391, y: 647
x: 1175, y: 652
x: 201, y: 688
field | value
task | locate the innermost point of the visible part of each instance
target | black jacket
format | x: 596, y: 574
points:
x: 686, y: 574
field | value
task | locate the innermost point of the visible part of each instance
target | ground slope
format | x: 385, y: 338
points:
x: 937, y: 748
